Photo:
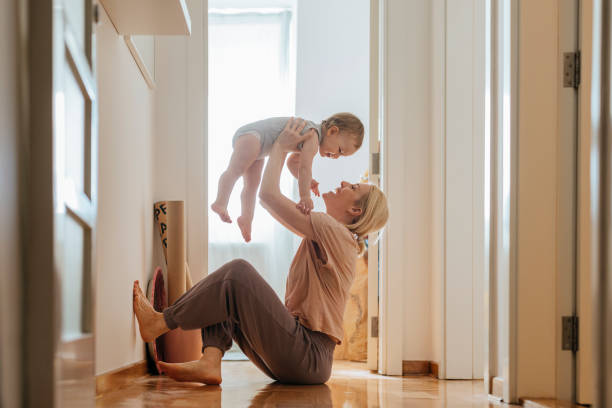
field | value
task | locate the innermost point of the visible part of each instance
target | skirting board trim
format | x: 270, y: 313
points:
x: 120, y: 377
x: 420, y: 368
x: 546, y: 403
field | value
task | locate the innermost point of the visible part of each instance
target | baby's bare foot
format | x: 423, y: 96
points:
x: 245, y: 227
x: 222, y: 211
x: 202, y: 371
x: 150, y: 323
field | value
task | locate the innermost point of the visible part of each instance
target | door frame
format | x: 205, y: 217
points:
x: 600, y: 206
x: 40, y: 288
x: 500, y: 171
x: 385, y: 282
x: 373, y: 243
x: 585, y: 390
x: 515, y: 217
x: 387, y: 286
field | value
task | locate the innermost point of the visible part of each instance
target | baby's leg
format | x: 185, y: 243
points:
x: 252, y: 178
x: 246, y: 150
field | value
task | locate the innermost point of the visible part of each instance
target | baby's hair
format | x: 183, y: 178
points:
x: 349, y: 123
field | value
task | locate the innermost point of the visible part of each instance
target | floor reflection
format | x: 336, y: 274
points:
x: 280, y: 395
x: 351, y: 385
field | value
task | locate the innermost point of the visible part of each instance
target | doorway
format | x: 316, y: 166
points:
x: 267, y: 58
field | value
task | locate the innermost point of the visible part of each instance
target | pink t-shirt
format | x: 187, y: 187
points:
x: 321, y: 275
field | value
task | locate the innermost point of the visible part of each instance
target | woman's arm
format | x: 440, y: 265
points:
x: 279, y: 206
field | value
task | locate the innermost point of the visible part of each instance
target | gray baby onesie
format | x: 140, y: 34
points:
x: 268, y: 130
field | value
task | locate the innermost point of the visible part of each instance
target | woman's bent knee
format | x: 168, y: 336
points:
x: 241, y: 269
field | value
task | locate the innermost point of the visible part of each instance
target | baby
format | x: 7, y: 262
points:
x: 339, y: 135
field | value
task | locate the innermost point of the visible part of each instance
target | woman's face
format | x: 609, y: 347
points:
x: 341, y: 202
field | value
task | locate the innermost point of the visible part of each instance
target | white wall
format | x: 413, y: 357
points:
x: 152, y: 147
x: 125, y: 222
x: 10, y: 255
x: 180, y: 169
x: 333, y: 76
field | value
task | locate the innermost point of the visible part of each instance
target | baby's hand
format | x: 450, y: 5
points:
x: 305, y: 205
x: 314, y: 187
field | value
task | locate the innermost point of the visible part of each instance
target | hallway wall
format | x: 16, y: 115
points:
x: 333, y: 76
x: 152, y: 147
x: 125, y: 226
x: 10, y: 236
x: 180, y: 147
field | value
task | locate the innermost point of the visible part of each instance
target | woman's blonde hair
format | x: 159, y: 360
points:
x: 374, y: 216
x: 349, y: 123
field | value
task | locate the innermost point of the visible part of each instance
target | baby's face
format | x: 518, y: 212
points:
x: 336, y: 144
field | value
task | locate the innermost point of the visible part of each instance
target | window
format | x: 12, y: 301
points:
x: 251, y: 72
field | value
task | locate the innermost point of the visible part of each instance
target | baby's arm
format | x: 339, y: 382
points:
x: 309, y: 150
x: 293, y: 164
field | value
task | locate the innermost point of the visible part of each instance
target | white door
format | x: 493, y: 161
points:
x: 74, y: 181
x: 568, y: 89
x: 61, y: 198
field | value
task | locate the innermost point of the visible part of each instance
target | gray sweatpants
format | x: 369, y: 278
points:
x: 235, y: 302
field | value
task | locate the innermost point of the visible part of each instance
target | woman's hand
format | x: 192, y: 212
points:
x: 305, y: 205
x: 291, y: 135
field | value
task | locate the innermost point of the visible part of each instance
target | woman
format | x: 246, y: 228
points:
x: 293, y: 343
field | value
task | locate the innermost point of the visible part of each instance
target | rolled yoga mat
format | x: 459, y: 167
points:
x: 156, y: 293
x: 179, y: 345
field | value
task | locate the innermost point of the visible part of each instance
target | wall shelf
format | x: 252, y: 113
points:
x: 149, y: 17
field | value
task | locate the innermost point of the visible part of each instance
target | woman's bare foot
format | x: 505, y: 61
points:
x: 222, y: 211
x: 245, y: 227
x: 150, y: 323
x: 206, y: 370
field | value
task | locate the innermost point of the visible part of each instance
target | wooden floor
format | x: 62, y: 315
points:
x: 351, y: 385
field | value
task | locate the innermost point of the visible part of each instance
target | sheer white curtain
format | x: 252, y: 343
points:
x: 251, y: 76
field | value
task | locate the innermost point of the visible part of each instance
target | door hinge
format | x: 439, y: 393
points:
x: 571, y: 69
x: 374, y: 330
x: 570, y: 333
x: 376, y: 163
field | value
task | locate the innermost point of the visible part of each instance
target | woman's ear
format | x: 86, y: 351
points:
x: 355, y: 211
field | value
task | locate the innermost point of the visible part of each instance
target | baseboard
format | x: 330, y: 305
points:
x: 120, y: 377
x: 545, y: 403
x: 434, y: 368
x: 420, y: 368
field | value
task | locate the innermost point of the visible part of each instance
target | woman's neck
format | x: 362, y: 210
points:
x: 339, y: 215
